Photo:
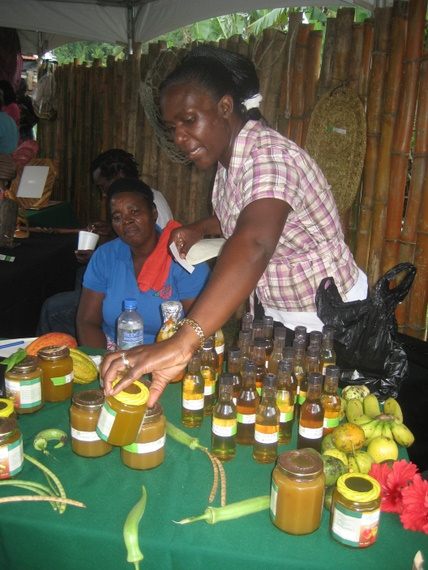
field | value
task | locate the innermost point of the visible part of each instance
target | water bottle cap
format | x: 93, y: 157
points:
x: 130, y: 303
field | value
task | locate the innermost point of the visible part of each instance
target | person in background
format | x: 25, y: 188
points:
x: 138, y: 264
x: 10, y: 106
x: 271, y: 201
x: 8, y: 130
x: 58, y: 313
x: 28, y: 117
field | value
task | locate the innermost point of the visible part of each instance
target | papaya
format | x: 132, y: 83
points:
x: 51, y: 339
x: 84, y: 368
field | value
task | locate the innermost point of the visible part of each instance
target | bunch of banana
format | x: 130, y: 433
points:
x: 375, y: 423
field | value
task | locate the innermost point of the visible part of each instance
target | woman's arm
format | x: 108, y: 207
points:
x: 89, y: 319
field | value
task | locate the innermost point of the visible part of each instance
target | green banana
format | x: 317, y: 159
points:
x: 386, y: 429
x: 402, y: 435
x: 361, y: 420
x: 354, y: 408
x: 391, y: 406
x: 377, y: 432
x: 371, y: 406
x: 369, y: 428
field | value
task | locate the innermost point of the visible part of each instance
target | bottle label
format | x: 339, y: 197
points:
x: 286, y: 416
x: 62, y: 380
x: 223, y: 428
x: 262, y: 437
x: 273, y: 499
x: 331, y: 422
x: 193, y: 404
x: 25, y: 394
x: 87, y: 436
x: 354, y: 528
x: 131, y: 338
x: 246, y: 418
x: 302, y: 397
x: 105, y: 421
x: 310, y: 433
x: 209, y: 389
x: 11, y: 459
x: 149, y: 447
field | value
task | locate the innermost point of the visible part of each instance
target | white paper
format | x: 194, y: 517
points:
x: 183, y: 262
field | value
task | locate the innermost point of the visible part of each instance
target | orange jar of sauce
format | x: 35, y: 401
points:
x: 148, y: 450
x: 57, y: 367
x: 122, y: 415
x: 11, y: 448
x: 23, y: 385
x: 297, y: 492
x: 84, y: 414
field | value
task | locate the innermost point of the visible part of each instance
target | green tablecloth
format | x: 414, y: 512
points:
x: 56, y: 216
x: 33, y: 536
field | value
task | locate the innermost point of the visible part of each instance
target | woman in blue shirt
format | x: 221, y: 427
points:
x: 135, y: 265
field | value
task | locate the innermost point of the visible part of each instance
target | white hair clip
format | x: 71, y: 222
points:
x: 253, y: 102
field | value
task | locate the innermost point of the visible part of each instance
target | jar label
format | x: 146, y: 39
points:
x: 193, y: 404
x: 331, y: 422
x: 87, y: 436
x: 149, y: 447
x: 246, y: 418
x: 302, y: 397
x: 224, y: 428
x: 273, y: 499
x: 62, y: 380
x: 209, y: 389
x: 11, y: 459
x: 262, y: 437
x: 286, y: 416
x: 105, y: 421
x: 25, y: 394
x: 354, y: 528
x: 310, y: 433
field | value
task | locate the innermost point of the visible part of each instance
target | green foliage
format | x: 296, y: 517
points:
x: 86, y: 51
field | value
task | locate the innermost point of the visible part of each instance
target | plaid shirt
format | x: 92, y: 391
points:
x: 265, y: 164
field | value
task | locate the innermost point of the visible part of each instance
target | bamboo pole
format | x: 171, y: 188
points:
x: 344, y: 26
x: 271, y: 96
x: 312, y: 77
x: 295, y: 126
x: 325, y: 81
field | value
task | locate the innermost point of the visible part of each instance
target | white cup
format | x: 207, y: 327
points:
x: 87, y: 240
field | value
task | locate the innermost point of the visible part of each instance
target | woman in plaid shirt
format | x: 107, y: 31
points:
x: 271, y: 202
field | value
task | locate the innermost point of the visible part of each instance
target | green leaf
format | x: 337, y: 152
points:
x: 14, y: 358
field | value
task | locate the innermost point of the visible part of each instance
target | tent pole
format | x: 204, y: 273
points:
x: 130, y: 29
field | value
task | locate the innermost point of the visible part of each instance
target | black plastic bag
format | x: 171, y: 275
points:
x: 364, y: 340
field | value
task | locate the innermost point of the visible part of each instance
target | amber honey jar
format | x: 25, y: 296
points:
x: 84, y: 414
x: 11, y: 448
x: 297, y: 492
x: 355, y: 510
x: 122, y: 415
x: 148, y: 450
x: 6, y: 409
x: 57, y: 367
x: 23, y: 384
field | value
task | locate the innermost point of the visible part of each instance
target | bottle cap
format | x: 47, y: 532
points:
x: 280, y: 332
x: 300, y: 332
x: 208, y: 344
x: 315, y: 379
x: 270, y: 381
x: 288, y: 353
x: 285, y: 365
x: 260, y: 342
x: 249, y: 367
x: 332, y: 370
x: 226, y: 379
x: 130, y: 304
x: 234, y: 352
x: 313, y: 351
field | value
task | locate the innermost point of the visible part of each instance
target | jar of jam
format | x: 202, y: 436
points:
x: 23, y: 384
x: 297, y: 492
x: 355, y: 510
x: 122, y: 415
x: 84, y: 414
x: 11, y: 448
x: 6, y: 409
x: 57, y: 367
x: 148, y: 450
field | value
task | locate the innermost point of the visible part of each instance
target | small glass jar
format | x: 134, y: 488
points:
x: 57, y: 367
x: 122, y: 415
x: 84, y: 414
x: 148, y: 450
x: 6, y: 409
x: 23, y: 384
x: 297, y: 492
x: 11, y: 448
x: 355, y: 510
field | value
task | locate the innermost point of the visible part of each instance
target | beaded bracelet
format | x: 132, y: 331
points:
x: 197, y: 328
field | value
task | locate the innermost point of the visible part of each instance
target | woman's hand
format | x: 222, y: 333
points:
x: 186, y: 236
x: 84, y: 255
x: 100, y: 227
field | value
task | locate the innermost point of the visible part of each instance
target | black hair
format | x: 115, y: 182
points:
x: 219, y: 72
x: 114, y: 163
x: 9, y: 95
x: 131, y: 185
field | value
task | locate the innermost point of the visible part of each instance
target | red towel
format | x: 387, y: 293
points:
x: 155, y: 270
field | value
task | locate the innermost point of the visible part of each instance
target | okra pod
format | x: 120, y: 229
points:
x: 130, y: 531
x: 213, y: 515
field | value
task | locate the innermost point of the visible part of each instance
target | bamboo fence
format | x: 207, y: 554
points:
x: 384, y: 59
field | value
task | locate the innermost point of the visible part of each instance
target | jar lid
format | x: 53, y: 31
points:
x: 29, y: 363
x: 6, y: 407
x: 53, y: 352
x: 7, y: 426
x: 300, y: 462
x: 89, y: 399
x: 358, y: 487
x: 153, y: 414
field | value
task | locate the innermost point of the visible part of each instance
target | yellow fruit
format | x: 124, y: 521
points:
x: 371, y: 406
x: 337, y: 453
x: 402, y: 435
x: 348, y: 437
x: 84, y: 367
x: 382, y: 448
x: 354, y: 409
x: 361, y: 463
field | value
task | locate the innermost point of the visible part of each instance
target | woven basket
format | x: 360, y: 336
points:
x: 336, y: 139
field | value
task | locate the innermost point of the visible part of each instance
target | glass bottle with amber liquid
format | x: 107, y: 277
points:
x: 247, y: 322
x: 278, y: 348
x: 299, y: 346
x: 315, y: 339
x: 192, y: 401
x: 327, y: 353
x: 285, y: 394
x: 246, y: 405
x: 244, y: 344
x: 268, y: 336
x: 266, y: 430
x: 209, y: 375
x: 234, y: 368
x: 256, y: 332
x: 330, y: 400
x: 312, y: 415
x: 259, y: 357
x: 300, y: 332
x: 223, y: 430
x: 312, y: 364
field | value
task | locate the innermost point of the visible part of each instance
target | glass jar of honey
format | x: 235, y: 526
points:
x: 57, y: 367
x: 297, y: 492
x: 23, y: 384
x: 6, y: 409
x: 355, y: 510
x: 84, y: 414
x: 122, y: 415
x: 148, y: 450
x: 11, y: 448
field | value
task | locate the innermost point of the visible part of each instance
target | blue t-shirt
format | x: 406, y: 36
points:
x: 111, y: 272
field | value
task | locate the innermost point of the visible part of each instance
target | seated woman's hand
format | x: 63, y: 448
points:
x: 100, y: 227
x: 84, y: 255
x: 185, y: 237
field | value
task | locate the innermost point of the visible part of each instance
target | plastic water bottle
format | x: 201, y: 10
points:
x: 130, y: 326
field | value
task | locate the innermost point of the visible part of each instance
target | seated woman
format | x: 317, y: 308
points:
x: 137, y: 264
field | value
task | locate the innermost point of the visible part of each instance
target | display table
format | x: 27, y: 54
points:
x: 59, y: 215
x: 33, y: 536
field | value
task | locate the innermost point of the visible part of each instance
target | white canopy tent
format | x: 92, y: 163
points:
x: 45, y: 24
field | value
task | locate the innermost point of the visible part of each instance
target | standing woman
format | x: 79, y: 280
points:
x: 271, y: 202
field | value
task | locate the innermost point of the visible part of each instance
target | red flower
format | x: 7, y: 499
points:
x: 165, y: 292
x: 415, y: 505
x: 392, y: 483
